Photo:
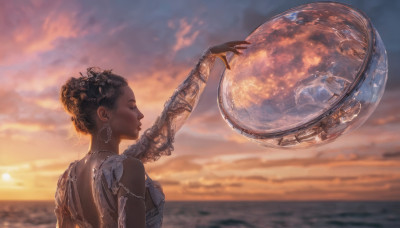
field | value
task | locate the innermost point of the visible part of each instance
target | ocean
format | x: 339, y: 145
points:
x: 213, y: 214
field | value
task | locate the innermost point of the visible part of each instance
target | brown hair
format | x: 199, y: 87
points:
x: 82, y: 96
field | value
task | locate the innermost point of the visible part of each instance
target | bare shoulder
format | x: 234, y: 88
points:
x: 133, y: 164
x: 133, y: 171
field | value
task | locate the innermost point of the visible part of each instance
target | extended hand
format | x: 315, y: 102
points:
x: 220, y: 50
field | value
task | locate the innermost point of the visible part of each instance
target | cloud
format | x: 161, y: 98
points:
x: 346, y: 181
x: 391, y: 155
x: 9, y: 99
x: 176, y: 165
x: 154, y: 88
x: 340, y: 161
x: 388, y: 110
x: 33, y: 28
x: 241, y: 178
x: 30, y: 113
x: 55, y: 26
x: 332, y: 179
x: 169, y: 182
x: 349, y: 188
x: 383, y: 192
x: 49, y: 165
x: 184, y: 35
x: 198, y: 185
x: 38, y: 165
x: 29, y: 178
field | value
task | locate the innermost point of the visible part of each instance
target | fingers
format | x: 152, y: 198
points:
x: 220, y: 50
x: 234, y: 43
x: 232, y: 49
x: 232, y: 46
x: 223, y: 58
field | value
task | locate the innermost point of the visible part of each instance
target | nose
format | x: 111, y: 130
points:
x: 140, y: 115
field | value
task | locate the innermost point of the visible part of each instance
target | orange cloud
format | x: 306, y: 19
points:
x: 24, y: 127
x: 169, y: 182
x: 255, y: 163
x: 300, y: 188
x: 38, y: 177
x: 177, y: 165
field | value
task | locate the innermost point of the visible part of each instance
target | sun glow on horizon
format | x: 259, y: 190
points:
x: 6, y: 177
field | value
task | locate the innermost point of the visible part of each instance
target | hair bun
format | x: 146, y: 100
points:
x: 82, y: 96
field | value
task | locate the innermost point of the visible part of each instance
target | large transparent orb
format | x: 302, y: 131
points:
x: 309, y: 75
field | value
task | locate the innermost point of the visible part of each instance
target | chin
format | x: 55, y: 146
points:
x: 136, y: 136
x: 131, y: 137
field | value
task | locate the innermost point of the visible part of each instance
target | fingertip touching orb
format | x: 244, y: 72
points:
x: 310, y: 75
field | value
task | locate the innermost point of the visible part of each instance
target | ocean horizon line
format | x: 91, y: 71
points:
x: 278, y: 201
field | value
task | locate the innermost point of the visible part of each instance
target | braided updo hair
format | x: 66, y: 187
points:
x: 82, y: 96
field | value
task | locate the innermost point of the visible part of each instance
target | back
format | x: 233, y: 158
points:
x: 85, y: 173
x: 88, y: 191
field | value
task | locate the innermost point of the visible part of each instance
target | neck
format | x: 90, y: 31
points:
x: 97, y: 144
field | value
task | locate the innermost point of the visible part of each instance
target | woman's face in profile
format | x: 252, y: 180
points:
x: 125, y: 120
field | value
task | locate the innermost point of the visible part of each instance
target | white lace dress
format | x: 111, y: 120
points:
x: 155, y: 142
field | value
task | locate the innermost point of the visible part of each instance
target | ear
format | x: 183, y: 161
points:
x: 103, y: 113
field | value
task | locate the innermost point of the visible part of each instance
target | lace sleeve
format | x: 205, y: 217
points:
x: 158, y: 139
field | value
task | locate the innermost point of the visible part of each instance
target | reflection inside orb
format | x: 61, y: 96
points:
x: 301, y: 77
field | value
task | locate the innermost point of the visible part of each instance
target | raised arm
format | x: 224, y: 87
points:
x: 157, y: 140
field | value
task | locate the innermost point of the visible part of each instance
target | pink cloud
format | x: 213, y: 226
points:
x: 184, y: 35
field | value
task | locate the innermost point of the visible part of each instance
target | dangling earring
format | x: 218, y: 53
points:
x: 108, y: 133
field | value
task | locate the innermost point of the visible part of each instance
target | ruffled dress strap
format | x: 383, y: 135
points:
x: 154, y: 216
x: 105, y: 187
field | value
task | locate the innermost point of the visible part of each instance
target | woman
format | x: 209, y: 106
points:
x: 108, y: 189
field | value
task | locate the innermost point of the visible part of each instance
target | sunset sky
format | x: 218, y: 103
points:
x: 155, y: 44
